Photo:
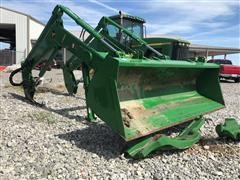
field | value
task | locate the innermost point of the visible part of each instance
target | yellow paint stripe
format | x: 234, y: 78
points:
x: 154, y: 44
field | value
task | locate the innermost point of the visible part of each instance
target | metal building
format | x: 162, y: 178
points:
x: 18, y: 30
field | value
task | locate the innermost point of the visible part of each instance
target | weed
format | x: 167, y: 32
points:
x: 42, y: 116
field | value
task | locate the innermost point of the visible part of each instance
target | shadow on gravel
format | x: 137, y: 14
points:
x: 101, y: 140
x: 19, y: 97
x: 63, y: 112
x: 217, y: 141
x: 54, y: 91
x: 96, y: 138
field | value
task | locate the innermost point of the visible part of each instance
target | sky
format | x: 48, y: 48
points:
x: 209, y: 22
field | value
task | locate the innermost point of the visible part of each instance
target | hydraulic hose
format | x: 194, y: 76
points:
x: 12, y: 75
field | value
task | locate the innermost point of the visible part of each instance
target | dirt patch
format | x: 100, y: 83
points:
x: 222, y: 148
x: 54, y: 90
x: 60, y: 87
x: 134, y: 115
x: 126, y: 116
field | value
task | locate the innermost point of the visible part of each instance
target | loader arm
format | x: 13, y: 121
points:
x: 74, y: 63
x: 101, y: 28
x: 55, y: 37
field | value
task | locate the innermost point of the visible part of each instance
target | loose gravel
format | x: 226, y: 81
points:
x: 55, y: 142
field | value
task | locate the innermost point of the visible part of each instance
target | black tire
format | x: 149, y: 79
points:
x: 237, y: 80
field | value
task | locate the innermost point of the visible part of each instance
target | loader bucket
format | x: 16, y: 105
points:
x: 141, y: 97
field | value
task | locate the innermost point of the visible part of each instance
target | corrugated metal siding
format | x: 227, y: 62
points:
x: 35, y: 29
x: 20, y: 21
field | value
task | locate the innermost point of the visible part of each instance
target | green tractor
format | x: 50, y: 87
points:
x: 136, y: 89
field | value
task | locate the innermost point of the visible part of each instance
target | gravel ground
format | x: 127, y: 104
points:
x: 56, y: 143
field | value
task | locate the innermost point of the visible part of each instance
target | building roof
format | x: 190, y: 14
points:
x: 23, y: 15
x: 202, y: 50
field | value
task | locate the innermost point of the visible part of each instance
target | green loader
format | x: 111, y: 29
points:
x: 135, y: 89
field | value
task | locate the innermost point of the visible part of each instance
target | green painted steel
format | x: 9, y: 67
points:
x: 230, y: 129
x: 186, y: 139
x: 153, y: 98
x: 134, y: 94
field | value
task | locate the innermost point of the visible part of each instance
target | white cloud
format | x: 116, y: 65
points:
x: 104, y: 5
x: 187, y: 16
x: 215, y: 31
x: 168, y: 28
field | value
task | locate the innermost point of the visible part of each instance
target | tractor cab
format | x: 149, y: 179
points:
x: 174, y: 48
x: 132, y: 23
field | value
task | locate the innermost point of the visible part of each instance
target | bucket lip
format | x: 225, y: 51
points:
x: 166, y: 127
x: 164, y: 63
